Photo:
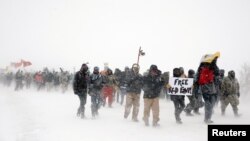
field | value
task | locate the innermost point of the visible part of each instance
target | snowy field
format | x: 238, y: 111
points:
x: 40, y: 116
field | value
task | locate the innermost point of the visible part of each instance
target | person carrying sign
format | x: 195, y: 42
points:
x: 208, y: 73
x: 191, y: 105
x: 178, y: 100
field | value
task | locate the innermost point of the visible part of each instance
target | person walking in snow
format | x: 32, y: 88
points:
x: 108, y: 88
x: 96, y: 84
x: 230, y: 93
x: 80, y: 86
x: 152, y: 85
x: 178, y: 100
x: 134, y: 86
x: 192, y: 100
x: 208, y: 73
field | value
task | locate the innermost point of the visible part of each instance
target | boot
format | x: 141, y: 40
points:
x: 82, y: 113
x: 82, y: 116
x: 126, y: 114
x: 189, y: 114
x: 196, y: 111
x: 156, y: 124
x: 178, y: 119
x: 78, y: 112
x: 208, y: 121
x: 135, y: 119
x: 236, y: 114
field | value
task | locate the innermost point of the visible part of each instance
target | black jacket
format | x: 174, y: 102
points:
x: 80, y: 83
x: 134, y: 83
x: 152, y: 86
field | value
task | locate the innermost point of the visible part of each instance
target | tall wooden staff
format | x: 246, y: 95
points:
x: 140, y: 53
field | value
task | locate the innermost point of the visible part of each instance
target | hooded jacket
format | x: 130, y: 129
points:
x: 80, y: 83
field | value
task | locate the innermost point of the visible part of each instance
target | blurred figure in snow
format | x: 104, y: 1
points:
x: 80, y: 86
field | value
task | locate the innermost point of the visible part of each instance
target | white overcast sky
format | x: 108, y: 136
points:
x: 173, y: 33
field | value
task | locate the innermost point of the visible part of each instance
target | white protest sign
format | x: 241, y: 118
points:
x: 180, y: 86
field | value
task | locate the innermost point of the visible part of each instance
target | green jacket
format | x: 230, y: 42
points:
x: 230, y: 86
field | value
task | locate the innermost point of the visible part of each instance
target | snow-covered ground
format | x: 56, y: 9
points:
x: 40, y: 116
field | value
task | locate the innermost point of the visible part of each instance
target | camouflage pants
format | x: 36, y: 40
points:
x: 154, y: 105
x: 232, y: 99
x: 132, y: 99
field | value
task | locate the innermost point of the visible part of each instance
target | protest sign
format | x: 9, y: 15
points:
x: 180, y: 86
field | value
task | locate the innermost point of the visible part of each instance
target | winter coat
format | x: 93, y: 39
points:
x: 230, y: 86
x: 49, y: 77
x: 80, y: 83
x: 124, y: 79
x: 152, y: 86
x: 96, y: 82
x: 19, y: 76
x: 134, y: 84
x: 109, y: 80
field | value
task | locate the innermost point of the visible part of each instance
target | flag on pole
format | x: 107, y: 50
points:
x: 26, y: 63
x: 21, y: 63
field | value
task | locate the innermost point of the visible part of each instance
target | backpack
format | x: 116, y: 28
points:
x: 206, y: 76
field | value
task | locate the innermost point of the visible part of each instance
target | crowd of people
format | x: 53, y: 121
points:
x: 41, y: 80
x: 210, y: 87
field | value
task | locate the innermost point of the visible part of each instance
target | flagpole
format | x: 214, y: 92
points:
x: 139, y: 55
